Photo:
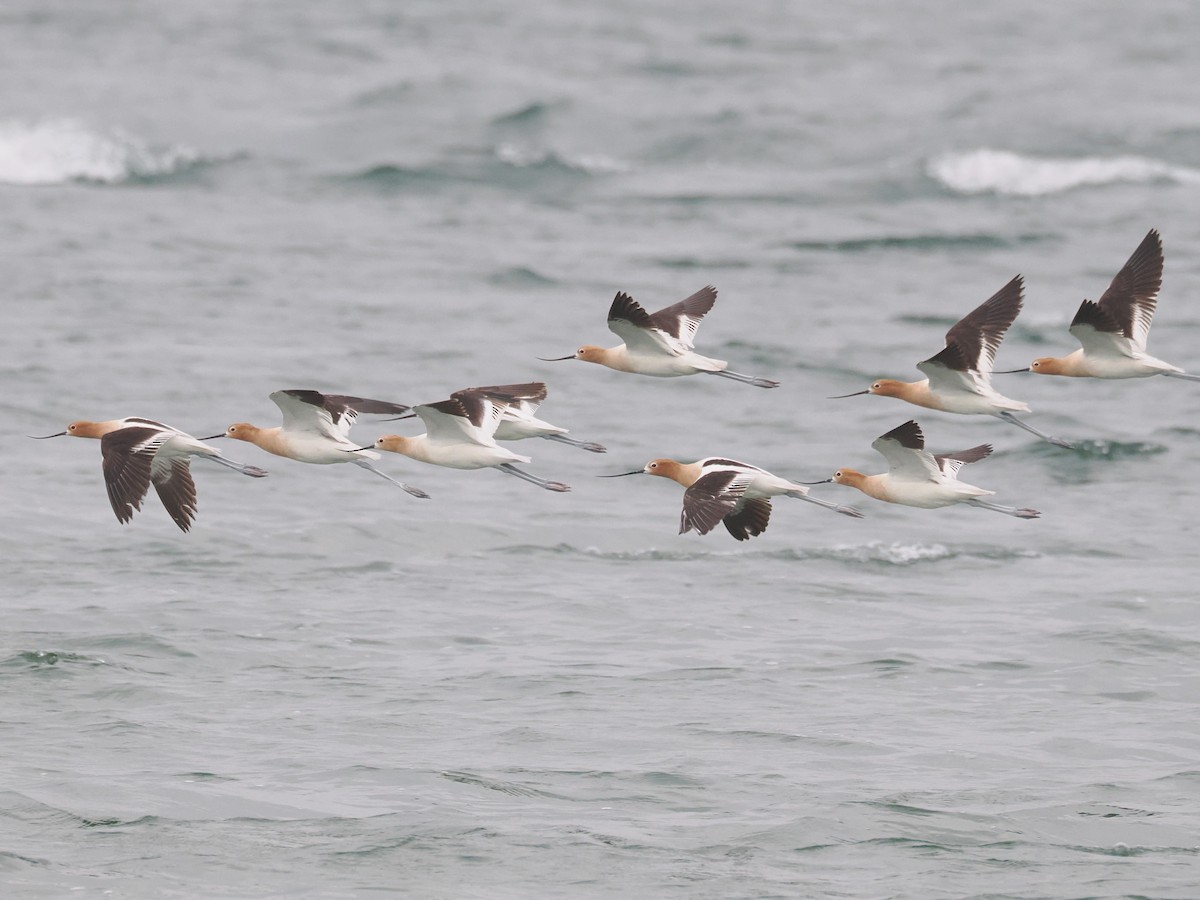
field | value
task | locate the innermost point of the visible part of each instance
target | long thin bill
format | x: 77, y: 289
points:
x: 43, y: 437
x: 623, y: 474
x: 844, y: 396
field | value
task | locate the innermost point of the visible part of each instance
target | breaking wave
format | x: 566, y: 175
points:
x: 55, y: 151
x: 988, y: 171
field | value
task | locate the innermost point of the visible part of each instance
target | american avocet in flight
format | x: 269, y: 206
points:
x: 959, y: 378
x: 137, y: 453
x: 660, y: 344
x: 916, y: 477
x: 743, y: 491
x: 315, y: 428
x: 460, y: 435
x: 1113, y: 330
x: 518, y: 421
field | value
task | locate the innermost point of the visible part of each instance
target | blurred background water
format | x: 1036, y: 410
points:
x: 330, y: 689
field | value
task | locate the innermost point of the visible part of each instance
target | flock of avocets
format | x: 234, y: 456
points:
x: 462, y: 432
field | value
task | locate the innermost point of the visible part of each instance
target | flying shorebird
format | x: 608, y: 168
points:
x: 958, y: 379
x: 315, y: 429
x: 1113, y: 331
x: 137, y: 453
x: 916, y: 477
x: 460, y: 435
x: 747, y: 506
x: 518, y: 420
x: 660, y: 344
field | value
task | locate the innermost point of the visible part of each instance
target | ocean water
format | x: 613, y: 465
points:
x: 330, y: 689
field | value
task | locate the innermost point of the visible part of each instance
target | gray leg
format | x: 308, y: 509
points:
x: 540, y: 482
x: 1058, y: 442
x: 747, y: 379
x: 1184, y: 375
x: 582, y: 445
x: 252, y: 471
x: 844, y: 510
x: 416, y: 492
x: 1022, y: 513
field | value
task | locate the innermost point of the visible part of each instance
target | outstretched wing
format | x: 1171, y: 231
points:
x: 304, y: 411
x: 972, y: 342
x: 904, y: 449
x: 710, y: 499
x: 521, y: 398
x: 1099, y: 333
x: 330, y: 414
x: 682, y: 320
x: 672, y: 329
x: 173, y: 481
x: 1132, y: 296
x: 950, y: 463
x: 128, y: 454
x: 466, y: 417
x: 749, y: 519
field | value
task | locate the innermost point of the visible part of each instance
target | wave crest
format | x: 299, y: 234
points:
x: 987, y: 171
x: 56, y: 151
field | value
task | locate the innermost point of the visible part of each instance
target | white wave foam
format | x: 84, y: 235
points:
x: 895, y: 553
x: 1002, y: 172
x: 55, y: 151
x: 526, y: 157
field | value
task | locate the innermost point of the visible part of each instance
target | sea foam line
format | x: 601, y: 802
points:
x: 1003, y: 172
x: 55, y: 151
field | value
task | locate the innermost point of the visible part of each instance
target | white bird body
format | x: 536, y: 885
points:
x: 721, y: 490
x: 916, y: 477
x: 1113, y: 331
x: 315, y: 428
x: 959, y: 378
x: 460, y: 434
x: 1112, y: 362
x: 661, y: 344
x: 518, y: 419
x: 760, y: 483
x: 138, y: 453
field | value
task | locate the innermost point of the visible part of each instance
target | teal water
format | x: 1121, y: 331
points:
x: 330, y: 689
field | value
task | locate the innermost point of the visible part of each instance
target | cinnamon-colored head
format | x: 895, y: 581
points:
x: 87, y: 429
x: 888, y: 387
x: 667, y: 468
x: 242, y: 431
x: 1046, y: 365
x: 590, y: 353
x: 850, y: 477
x: 392, y: 443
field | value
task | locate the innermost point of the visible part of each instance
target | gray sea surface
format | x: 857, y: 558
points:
x: 331, y: 689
